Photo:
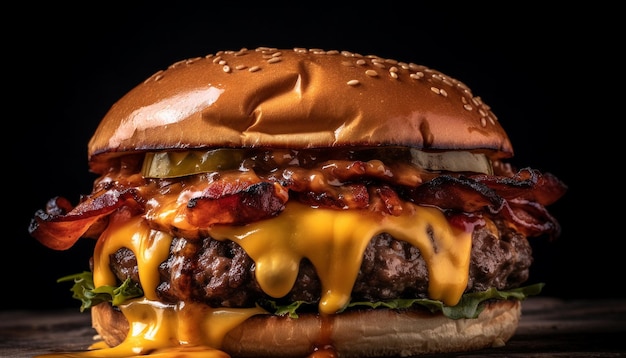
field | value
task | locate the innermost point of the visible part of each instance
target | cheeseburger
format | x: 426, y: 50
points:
x: 301, y: 202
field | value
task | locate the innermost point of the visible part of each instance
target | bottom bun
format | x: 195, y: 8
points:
x: 364, y: 333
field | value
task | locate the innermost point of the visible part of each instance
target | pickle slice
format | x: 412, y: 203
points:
x: 184, y: 163
x: 454, y: 161
x: 178, y: 164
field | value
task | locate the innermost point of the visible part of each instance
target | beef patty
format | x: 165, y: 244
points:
x: 221, y: 274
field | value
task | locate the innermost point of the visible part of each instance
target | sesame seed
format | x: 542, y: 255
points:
x: 192, y: 60
x: 177, y: 64
x: 465, y: 89
x: 155, y: 77
x: 439, y: 83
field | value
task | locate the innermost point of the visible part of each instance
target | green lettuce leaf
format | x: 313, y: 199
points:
x: 85, y: 291
x: 470, y: 305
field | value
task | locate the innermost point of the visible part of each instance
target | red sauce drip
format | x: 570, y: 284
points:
x: 466, y: 221
x: 324, y: 348
x: 327, y: 351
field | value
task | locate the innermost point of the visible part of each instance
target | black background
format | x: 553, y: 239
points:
x: 542, y: 71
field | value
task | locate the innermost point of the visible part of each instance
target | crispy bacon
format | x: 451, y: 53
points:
x: 349, y: 196
x: 456, y: 193
x: 531, y: 218
x: 59, y: 226
x: 527, y: 184
x: 255, y: 202
x: 520, y: 198
x: 525, y: 196
x: 384, y: 199
x: 242, y: 197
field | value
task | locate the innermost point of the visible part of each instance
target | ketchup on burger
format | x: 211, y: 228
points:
x: 299, y: 202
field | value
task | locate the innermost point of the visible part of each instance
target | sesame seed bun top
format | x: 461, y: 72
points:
x: 297, y: 99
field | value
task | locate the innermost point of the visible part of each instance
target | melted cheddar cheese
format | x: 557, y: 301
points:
x: 333, y: 240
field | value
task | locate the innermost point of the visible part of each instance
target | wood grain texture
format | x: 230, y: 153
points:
x: 548, y: 328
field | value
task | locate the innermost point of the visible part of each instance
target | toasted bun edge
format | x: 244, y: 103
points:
x: 296, y: 98
x: 364, y: 333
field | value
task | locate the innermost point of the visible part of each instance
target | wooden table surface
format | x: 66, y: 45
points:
x: 549, y: 328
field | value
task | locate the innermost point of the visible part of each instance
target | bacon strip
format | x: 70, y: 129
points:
x: 462, y: 194
x: 521, y: 198
x: 240, y: 198
x: 258, y: 201
x: 59, y: 226
x: 531, y: 218
x: 528, y: 184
